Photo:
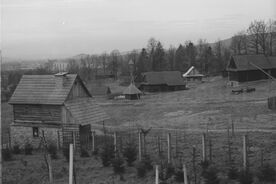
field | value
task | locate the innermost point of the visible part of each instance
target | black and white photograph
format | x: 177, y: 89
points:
x: 138, y: 91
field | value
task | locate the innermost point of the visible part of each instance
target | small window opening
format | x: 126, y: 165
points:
x: 35, y: 132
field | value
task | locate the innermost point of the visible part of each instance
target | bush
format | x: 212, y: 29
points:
x: 148, y: 162
x: 210, y: 176
x: 107, y: 154
x: 95, y: 152
x: 178, y: 174
x: 267, y: 174
x: 28, y: 149
x: 84, y: 153
x: 141, y: 169
x: 16, y: 149
x: 204, y: 166
x: 245, y: 177
x: 232, y: 173
x: 52, y: 149
x: 118, y: 165
x: 66, y: 153
x: 130, y: 153
x: 6, y: 154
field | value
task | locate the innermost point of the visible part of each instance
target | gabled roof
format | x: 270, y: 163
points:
x: 86, y: 111
x: 42, y: 89
x: 247, y: 62
x: 192, y: 72
x: 131, y: 90
x: 170, y: 78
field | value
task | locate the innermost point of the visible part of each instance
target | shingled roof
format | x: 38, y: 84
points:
x: 43, y: 89
x: 131, y: 90
x: 170, y: 78
x: 247, y: 62
x: 86, y: 111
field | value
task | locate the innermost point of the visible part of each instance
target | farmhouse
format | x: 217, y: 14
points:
x: 242, y: 68
x: 193, y: 75
x: 58, y: 106
x: 131, y: 92
x: 162, y: 81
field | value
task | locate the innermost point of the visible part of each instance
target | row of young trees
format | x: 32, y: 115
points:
x: 259, y: 38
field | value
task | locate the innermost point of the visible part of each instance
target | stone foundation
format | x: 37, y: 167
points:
x: 21, y: 135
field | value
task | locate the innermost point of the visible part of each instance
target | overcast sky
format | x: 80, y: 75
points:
x: 33, y: 29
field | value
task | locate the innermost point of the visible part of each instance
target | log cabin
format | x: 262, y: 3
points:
x: 58, y: 106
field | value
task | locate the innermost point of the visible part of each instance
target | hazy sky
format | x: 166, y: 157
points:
x: 32, y: 29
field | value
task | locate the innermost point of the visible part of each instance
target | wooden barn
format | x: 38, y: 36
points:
x: 192, y: 75
x: 162, y: 81
x: 59, y: 106
x: 132, y: 92
x: 243, y: 68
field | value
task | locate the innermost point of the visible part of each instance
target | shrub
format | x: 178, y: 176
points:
x: 130, y: 153
x: 148, y: 162
x: 66, y: 153
x: 267, y: 174
x: 28, y: 149
x: 6, y: 154
x: 118, y: 165
x: 95, y: 152
x: 52, y: 149
x: 245, y: 177
x: 16, y: 149
x: 107, y: 154
x: 141, y: 169
x: 84, y: 153
x: 204, y: 166
x: 232, y: 173
x: 210, y: 176
x: 178, y: 174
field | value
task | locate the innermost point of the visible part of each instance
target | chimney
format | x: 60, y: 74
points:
x: 60, y: 79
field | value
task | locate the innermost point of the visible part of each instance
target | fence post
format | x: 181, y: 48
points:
x: 140, y: 146
x: 93, y: 141
x: 245, y: 164
x: 71, y: 165
x: 185, y: 174
x: 159, y: 148
x: 9, y: 139
x: 156, y: 174
x: 115, y: 142
x: 50, y: 169
x: 58, y: 140
x: 169, y: 147
x: 210, y: 150
x: 233, y: 133
x: 203, y: 147
x: 74, y: 139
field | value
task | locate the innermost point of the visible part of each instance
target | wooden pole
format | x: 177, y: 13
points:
x: 50, y: 170
x: 185, y: 174
x: 159, y: 148
x: 233, y: 133
x: 74, y: 139
x: 58, y: 140
x: 210, y: 150
x: 203, y: 147
x: 194, y: 164
x: 169, y: 147
x: 115, y: 142
x: 245, y: 152
x: 140, y: 146
x: 156, y: 175
x: 71, y: 165
x: 93, y: 141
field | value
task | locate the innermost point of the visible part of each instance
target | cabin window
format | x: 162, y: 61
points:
x: 35, y: 132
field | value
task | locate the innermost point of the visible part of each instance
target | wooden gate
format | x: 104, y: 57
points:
x: 85, y: 137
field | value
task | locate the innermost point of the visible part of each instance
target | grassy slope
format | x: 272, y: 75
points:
x: 189, y: 110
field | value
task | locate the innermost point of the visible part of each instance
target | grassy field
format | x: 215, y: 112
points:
x: 186, y: 114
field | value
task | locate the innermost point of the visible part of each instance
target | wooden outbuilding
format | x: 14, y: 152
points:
x: 243, y: 68
x: 193, y: 75
x: 58, y: 106
x: 162, y: 81
x: 132, y: 92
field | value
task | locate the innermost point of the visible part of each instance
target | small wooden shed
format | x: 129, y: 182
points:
x: 57, y: 105
x: 193, y: 75
x: 132, y: 92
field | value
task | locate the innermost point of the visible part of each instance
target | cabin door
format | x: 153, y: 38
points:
x: 85, y: 137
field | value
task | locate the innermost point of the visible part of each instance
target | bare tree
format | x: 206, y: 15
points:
x: 271, y: 28
x: 239, y: 43
x: 256, y: 36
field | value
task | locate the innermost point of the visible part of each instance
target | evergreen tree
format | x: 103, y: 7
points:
x: 142, y: 64
x: 159, y: 62
x: 180, y: 57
